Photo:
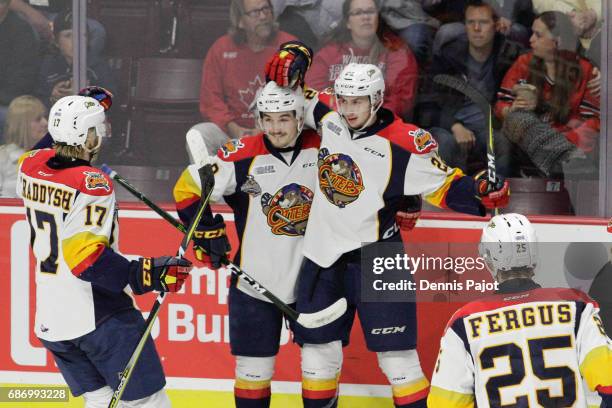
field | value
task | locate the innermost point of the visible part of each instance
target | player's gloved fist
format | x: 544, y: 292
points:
x: 288, y: 67
x: 408, y: 216
x: 102, y: 95
x: 210, y: 243
x: 492, y: 195
x: 163, y: 274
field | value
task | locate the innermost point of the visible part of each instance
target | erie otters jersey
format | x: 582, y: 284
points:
x: 80, y: 279
x: 270, y: 192
x: 526, y: 349
x: 363, y: 177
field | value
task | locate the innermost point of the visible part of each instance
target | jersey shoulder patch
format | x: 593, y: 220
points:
x: 244, y: 148
x: 96, y: 182
x: 409, y: 137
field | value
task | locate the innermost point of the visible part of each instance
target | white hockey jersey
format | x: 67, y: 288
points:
x: 271, y: 194
x: 364, y: 176
x: 527, y: 349
x: 72, y: 216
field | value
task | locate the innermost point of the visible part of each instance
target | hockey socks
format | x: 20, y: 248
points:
x: 411, y: 395
x: 320, y: 393
x: 252, y: 394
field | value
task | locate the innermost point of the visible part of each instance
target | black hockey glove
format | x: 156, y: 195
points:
x: 163, y: 274
x: 210, y: 243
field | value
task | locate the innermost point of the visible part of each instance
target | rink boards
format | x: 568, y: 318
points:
x: 192, y: 331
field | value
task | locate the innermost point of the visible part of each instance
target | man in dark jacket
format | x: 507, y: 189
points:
x: 18, y: 58
x: 481, y: 56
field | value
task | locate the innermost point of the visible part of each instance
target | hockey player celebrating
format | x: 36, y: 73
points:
x: 85, y: 316
x: 526, y: 345
x: 369, y: 161
x: 268, y: 180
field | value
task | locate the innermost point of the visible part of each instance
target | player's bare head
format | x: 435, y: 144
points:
x: 508, y: 247
x: 359, y: 90
x: 252, y: 20
x: 281, y: 114
x: 77, y: 125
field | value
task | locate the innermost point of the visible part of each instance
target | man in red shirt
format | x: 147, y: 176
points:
x: 232, y: 71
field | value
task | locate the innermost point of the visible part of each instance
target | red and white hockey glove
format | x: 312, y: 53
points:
x: 408, y: 216
x: 163, y: 274
x: 288, y: 67
x: 210, y: 243
x: 492, y: 196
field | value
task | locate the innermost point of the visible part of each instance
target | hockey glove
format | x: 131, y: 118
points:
x: 408, y: 216
x: 492, y: 195
x: 163, y: 274
x: 288, y: 67
x: 210, y: 243
x: 104, y: 96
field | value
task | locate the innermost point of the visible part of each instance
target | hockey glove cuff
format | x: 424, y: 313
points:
x: 210, y: 243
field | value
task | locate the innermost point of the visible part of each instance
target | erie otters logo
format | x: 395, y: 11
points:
x: 339, y: 178
x: 423, y: 141
x: 232, y: 146
x: 287, y: 210
x: 94, y: 181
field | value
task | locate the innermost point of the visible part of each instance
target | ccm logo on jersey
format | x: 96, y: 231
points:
x: 94, y: 181
x: 423, y: 141
x: 389, y: 330
x: 231, y: 147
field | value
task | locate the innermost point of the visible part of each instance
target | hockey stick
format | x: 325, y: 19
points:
x: 483, y: 104
x: 307, y: 320
x: 208, y: 180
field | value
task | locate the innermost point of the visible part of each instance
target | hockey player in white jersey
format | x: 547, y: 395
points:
x: 268, y: 180
x: 85, y: 314
x: 525, y: 346
x: 369, y: 161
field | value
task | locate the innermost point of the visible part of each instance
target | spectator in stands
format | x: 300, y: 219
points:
x: 362, y: 37
x: 412, y: 24
x: 55, y: 78
x: 321, y: 18
x: 482, y: 56
x: 232, y: 72
x: 26, y: 123
x: 587, y: 19
x: 18, y: 58
x: 546, y: 106
x: 40, y: 15
x: 515, y: 18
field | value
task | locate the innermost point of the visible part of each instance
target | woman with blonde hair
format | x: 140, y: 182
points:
x: 26, y: 123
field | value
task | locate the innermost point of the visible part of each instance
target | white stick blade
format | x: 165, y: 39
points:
x: 323, y: 317
x: 196, y: 148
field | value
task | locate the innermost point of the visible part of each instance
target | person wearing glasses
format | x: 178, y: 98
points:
x: 232, y: 75
x: 362, y: 37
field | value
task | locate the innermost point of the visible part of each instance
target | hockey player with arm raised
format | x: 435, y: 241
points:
x: 525, y: 346
x: 268, y: 180
x: 369, y: 161
x: 85, y: 314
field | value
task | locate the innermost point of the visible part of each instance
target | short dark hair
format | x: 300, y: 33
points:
x: 491, y: 6
x: 63, y: 21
